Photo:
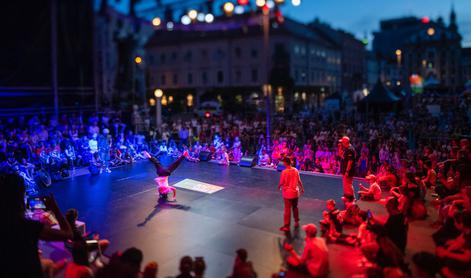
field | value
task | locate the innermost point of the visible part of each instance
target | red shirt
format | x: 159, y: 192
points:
x: 74, y: 270
x: 289, y: 182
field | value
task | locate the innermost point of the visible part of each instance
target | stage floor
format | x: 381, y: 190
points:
x: 245, y: 213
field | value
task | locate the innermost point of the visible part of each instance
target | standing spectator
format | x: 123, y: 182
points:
x: 183, y: 135
x: 291, y: 187
x: 19, y: 236
x: 347, y: 169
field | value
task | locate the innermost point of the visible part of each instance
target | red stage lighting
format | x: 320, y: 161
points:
x: 243, y: 2
x: 425, y: 20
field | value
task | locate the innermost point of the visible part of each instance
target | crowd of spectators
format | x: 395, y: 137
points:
x: 410, y: 161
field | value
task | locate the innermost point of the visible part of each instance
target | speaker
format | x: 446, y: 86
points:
x: 205, y: 156
x: 247, y: 161
x: 280, y: 167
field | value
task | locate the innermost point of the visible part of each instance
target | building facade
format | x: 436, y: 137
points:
x: 354, y: 55
x: 466, y: 64
x: 428, y: 48
x: 227, y: 61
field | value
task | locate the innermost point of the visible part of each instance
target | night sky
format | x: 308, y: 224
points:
x: 362, y: 16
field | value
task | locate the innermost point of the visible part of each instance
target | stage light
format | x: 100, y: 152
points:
x: 260, y: 3
x: 186, y: 20
x: 192, y: 14
x: 200, y: 17
x: 209, y: 18
x: 296, y: 2
x: 158, y: 93
x: 425, y: 20
x: 164, y: 101
x: 170, y: 25
x: 430, y: 31
x: 138, y: 60
x: 398, y: 52
x: 156, y: 21
x: 270, y: 4
x: 170, y: 99
x: 228, y: 8
x: 242, y: 2
x: 239, y: 10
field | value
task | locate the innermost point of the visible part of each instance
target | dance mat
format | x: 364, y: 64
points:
x: 198, y: 186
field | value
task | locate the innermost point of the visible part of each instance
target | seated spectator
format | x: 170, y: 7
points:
x: 20, y: 235
x: 425, y: 265
x: 331, y: 225
x: 125, y: 265
x: 242, y: 267
x: 314, y: 260
x: 150, y: 270
x: 199, y: 267
x: 50, y: 267
x: 264, y: 159
x: 92, y: 242
x: 456, y: 255
x: 373, y: 193
x: 395, y: 227
x: 186, y: 267
x: 430, y: 179
x: 80, y: 266
x: 352, y: 215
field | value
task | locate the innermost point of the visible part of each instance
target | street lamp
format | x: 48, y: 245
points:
x: 158, y: 93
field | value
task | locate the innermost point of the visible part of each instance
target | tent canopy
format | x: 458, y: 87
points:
x: 380, y: 94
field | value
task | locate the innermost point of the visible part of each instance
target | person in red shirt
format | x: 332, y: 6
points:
x: 291, y: 188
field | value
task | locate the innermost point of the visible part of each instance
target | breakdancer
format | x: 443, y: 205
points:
x: 162, y: 176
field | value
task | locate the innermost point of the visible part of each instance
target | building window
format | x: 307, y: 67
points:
x: 163, y: 79
x: 162, y: 58
x: 219, y: 54
x: 190, y: 78
x: 204, y: 53
x: 238, y: 52
x: 204, y: 77
x: 220, y: 76
x: 175, y: 79
x: 254, y: 75
x: 254, y: 53
x: 188, y: 56
x: 238, y: 76
x: 174, y: 56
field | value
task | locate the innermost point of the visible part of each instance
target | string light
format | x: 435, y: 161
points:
x: 156, y: 21
x: 192, y: 14
x: 260, y: 3
x: 209, y: 18
x: 296, y: 2
x: 186, y: 20
x: 228, y: 7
